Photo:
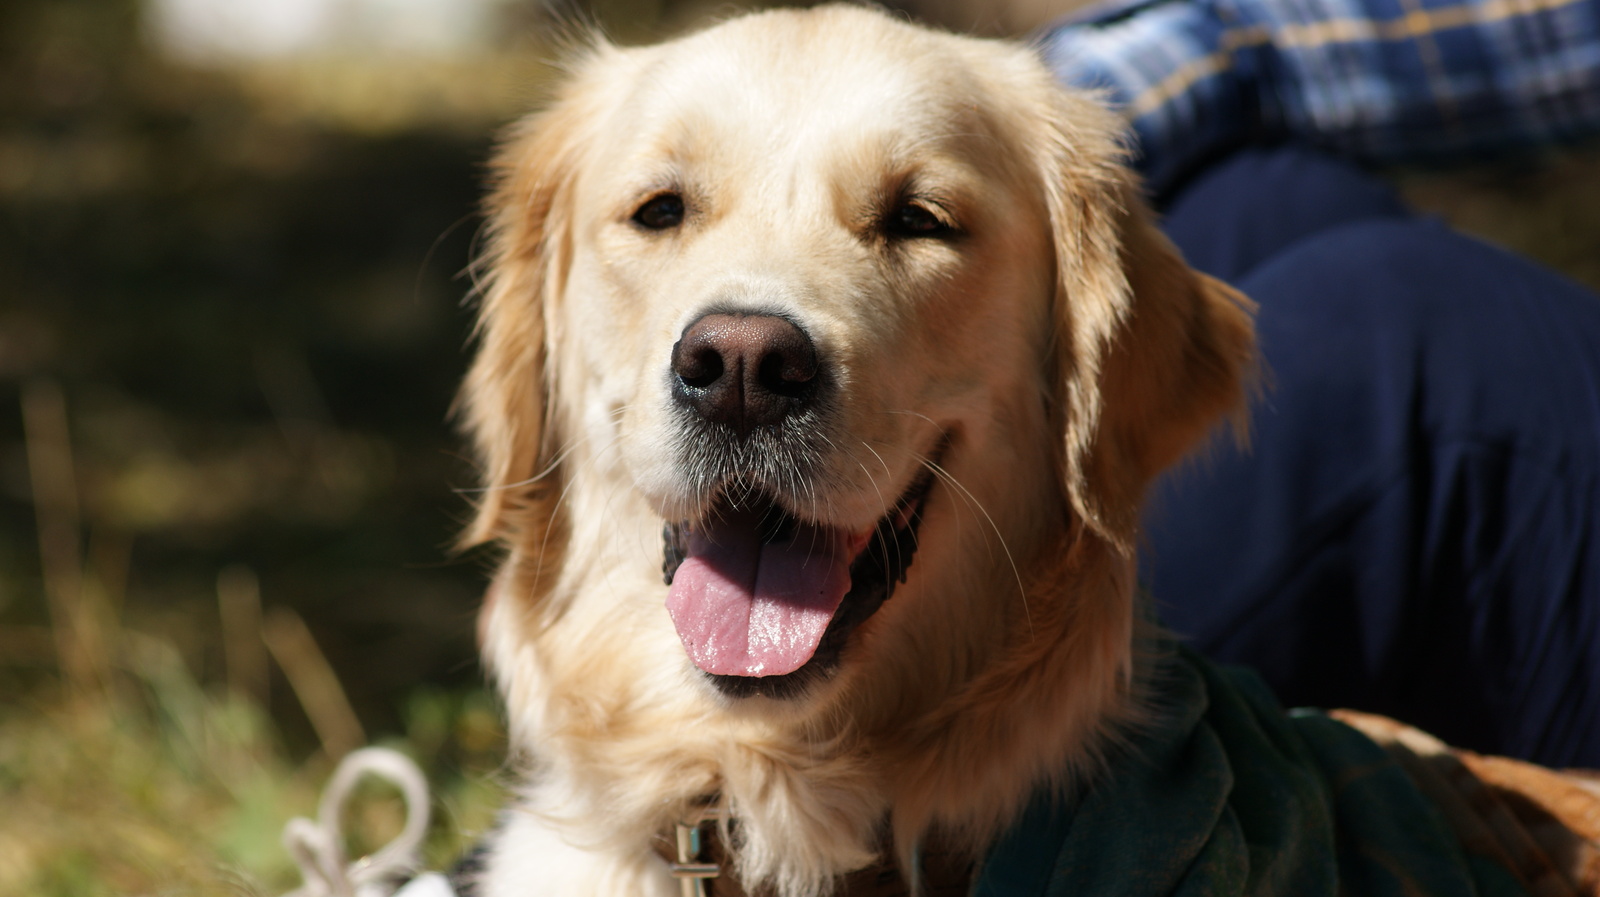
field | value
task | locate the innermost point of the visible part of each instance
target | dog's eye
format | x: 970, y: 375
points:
x: 913, y: 219
x: 660, y: 212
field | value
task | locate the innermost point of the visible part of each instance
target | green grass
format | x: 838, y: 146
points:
x: 156, y: 785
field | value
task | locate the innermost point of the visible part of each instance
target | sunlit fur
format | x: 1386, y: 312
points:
x: 1057, y: 343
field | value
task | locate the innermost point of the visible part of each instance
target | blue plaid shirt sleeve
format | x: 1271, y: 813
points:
x: 1378, y: 80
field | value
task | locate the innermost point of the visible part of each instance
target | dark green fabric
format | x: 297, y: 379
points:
x: 1231, y: 795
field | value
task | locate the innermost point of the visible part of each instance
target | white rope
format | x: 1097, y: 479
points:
x: 318, y: 847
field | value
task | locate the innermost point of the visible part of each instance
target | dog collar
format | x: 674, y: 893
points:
x: 696, y: 857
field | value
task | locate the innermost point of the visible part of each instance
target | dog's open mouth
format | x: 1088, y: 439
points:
x: 764, y: 602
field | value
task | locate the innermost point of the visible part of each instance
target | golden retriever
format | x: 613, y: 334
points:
x: 823, y: 363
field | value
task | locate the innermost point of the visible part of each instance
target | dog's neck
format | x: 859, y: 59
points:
x: 914, y: 758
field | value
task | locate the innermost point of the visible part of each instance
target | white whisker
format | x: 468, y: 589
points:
x: 972, y: 500
x: 571, y: 446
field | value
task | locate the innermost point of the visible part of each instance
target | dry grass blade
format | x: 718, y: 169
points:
x: 314, y: 682
x: 239, y: 608
x: 55, y: 501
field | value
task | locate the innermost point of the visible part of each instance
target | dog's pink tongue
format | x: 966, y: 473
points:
x: 744, y: 608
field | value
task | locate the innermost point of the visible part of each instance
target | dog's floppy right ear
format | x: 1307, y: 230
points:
x: 1151, y: 353
x: 506, y: 405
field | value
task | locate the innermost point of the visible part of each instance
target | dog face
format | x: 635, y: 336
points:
x: 805, y: 298
x: 823, y: 363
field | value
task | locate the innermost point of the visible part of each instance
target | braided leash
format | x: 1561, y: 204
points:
x: 318, y: 847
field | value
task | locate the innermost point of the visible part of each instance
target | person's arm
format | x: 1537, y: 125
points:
x: 1379, y: 80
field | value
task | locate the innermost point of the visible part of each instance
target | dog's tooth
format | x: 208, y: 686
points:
x: 673, y: 550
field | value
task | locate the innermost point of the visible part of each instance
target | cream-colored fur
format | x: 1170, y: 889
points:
x: 1056, y: 349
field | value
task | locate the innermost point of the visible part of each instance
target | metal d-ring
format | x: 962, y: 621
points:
x: 689, y: 870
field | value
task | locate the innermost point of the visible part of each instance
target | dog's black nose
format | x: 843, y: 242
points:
x: 744, y: 370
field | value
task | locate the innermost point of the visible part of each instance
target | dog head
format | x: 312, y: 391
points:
x: 823, y: 363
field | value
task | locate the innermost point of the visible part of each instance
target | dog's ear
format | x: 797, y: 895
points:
x: 506, y: 402
x: 1150, y: 354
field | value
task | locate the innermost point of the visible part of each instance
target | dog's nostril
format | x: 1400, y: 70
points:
x: 701, y: 368
x: 789, y: 365
x: 789, y: 358
x: 745, y: 370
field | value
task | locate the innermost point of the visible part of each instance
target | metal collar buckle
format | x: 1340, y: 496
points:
x: 689, y: 870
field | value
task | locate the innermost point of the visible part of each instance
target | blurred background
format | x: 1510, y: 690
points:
x: 232, y: 237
